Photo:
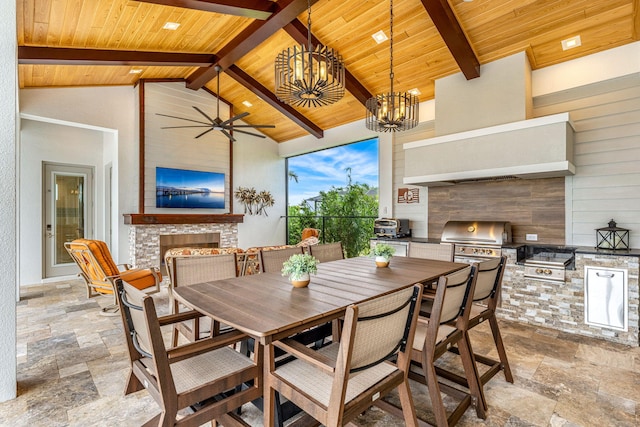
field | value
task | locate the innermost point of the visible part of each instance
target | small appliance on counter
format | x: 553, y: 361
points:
x: 391, y: 227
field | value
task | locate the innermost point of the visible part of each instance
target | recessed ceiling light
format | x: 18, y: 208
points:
x: 571, y: 42
x: 247, y: 104
x: 171, y: 26
x: 135, y: 71
x: 415, y: 91
x: 379, y: 37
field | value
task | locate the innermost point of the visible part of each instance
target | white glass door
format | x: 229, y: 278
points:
x: 68, y: 200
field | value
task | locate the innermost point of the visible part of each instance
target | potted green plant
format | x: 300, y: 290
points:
x: 299, y: 267
x: 382, y: 253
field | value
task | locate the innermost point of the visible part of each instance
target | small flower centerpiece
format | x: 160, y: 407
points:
x: 382, y: 253
x: 298, y: 267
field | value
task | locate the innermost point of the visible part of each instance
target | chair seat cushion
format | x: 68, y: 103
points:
x: 140, y: 278
x: 316, y: 383
x: 204, y: 368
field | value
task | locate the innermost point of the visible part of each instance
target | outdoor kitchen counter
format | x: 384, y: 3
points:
x: 561, y: 305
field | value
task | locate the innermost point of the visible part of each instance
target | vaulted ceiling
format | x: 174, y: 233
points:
x: 66, y: 43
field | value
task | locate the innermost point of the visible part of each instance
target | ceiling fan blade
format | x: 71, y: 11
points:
x: 180, y: 127
x: 182, y: 118
x: 254, y: 126
x: 228, y: 135
x: 204, y: 133
x: 204, y: 114
x: 249, y: 133
x: 238, y: 117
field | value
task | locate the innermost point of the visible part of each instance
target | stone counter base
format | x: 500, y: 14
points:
x: 560, y: 306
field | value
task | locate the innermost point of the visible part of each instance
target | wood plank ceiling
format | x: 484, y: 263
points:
x: 99, y: 42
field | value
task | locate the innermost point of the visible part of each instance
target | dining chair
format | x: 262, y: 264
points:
x: 485, y: 302
x: 439, y: 251
x: 336, y: 383
x: 447, y: 327
x: 327, y: 251
x: 204, y: 380
x: 100, y: 272
x: 198, y: 269
x: 272, y: 260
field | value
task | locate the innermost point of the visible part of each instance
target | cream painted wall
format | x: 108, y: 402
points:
x: 111, y: 110
x: 8, y: 199
x: 258, y: 165
x: 61, y: 144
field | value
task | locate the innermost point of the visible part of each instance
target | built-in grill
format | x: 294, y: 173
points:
x: 476, y: 240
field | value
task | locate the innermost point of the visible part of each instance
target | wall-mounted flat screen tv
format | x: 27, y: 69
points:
x: 182, y: 188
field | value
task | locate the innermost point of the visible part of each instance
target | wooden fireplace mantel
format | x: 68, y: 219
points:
x: 152, y: 219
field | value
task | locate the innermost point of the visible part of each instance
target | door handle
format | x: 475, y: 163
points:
x: 50, y: 234
x: 605, y: 275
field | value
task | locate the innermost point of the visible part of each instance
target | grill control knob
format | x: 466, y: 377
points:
x: 547, y: 271
x: 539, y: 271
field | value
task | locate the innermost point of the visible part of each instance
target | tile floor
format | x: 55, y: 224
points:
x: 72, y: 368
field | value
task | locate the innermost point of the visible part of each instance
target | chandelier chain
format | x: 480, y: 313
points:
x: 391, y: 43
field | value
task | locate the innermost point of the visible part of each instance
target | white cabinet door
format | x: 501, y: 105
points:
x: 606, y: 297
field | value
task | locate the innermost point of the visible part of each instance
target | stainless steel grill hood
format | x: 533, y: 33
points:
x: 494, y: 233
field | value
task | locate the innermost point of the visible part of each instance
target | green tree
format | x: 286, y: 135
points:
x: 300, y: 217
x: 344, y: 209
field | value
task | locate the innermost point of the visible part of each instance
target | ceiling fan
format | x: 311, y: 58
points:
x: 217, y: 124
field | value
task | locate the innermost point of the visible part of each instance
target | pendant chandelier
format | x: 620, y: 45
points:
x: 392, y: 111
x: 308, y: 76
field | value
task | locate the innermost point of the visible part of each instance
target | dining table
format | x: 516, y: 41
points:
x: 268, y: 308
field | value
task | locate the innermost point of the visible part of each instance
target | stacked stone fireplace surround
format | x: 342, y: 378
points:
x: 144, y: 240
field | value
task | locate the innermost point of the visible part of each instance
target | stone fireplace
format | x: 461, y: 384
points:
x: 145, y: 233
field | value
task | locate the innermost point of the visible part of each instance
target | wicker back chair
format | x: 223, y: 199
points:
x: 327, y: 252
x: 198, y: 269
x: 338, y: 382
x: 272, y: 260
x: 196, y: 376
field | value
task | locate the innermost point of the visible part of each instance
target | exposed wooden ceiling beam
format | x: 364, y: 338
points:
x: 254, y: 34
x: 269, y: 97
x: 298, y: 31
x: 445, y: 21
x: 256, y: 9
x: 73, y: 56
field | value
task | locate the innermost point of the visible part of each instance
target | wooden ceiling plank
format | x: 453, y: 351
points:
x: 445, y: 21
x: 255, y: 9
x: 72, y: 56
x: 256, y: 33
x: 265, y: 94
x: 298, y: 31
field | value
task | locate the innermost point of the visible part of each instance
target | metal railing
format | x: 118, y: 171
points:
x: 353, y: 231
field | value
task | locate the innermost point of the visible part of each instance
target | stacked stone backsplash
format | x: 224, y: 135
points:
x: 561, y: 305
x: 144, y: 240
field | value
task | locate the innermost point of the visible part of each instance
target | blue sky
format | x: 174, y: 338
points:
x: 321, y: 170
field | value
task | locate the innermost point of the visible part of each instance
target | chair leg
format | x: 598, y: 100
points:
x: 473, y: 377
x: 408, y: 408
x: 439, y: 410
x: 497, y: 338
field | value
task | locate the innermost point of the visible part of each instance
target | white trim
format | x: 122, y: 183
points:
x: 531, y: 171
x: 28, y: 116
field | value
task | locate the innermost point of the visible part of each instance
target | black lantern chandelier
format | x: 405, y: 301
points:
x: 392, y: 111
x: 308, y: 76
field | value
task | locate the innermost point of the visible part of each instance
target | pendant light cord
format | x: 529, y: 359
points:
x: 391, y: 44
x: 309, y: 24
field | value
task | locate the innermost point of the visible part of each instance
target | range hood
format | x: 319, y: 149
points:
x: 535, y: 148
x: 484, y: 131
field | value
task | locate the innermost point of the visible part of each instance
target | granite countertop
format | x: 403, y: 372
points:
x: 577, y: 249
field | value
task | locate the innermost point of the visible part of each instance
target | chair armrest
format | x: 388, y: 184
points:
x: 170, y: 319
x: 205, y: 345
x: 125, y: 266
x: 307, y: 354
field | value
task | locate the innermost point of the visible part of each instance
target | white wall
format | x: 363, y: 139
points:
x: 258, y: 165
x: 8, y: 205
x: 106, y: 109
x: 54, y: 143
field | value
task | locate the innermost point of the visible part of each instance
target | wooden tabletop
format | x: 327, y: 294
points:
x: 267, y: 307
